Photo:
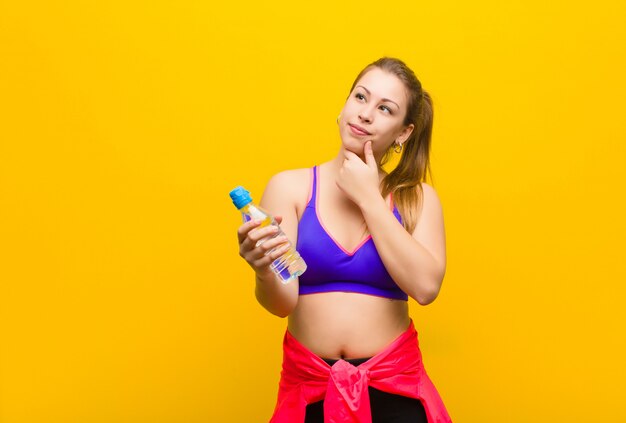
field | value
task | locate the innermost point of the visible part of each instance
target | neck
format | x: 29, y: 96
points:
x: 335, y: 164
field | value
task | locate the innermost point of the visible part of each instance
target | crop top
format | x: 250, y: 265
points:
x: 330, y: 267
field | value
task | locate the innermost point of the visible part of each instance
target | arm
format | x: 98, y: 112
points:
x: 416, y: 261
x: 280, y: 198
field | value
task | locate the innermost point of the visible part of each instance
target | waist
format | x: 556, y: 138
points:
x: 354, y: 361
x: 346, y: 325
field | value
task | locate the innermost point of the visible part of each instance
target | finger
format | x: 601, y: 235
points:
x: 279, y: 251
x: 369, y: 155
x: 243, y: 230
x: 350, y: 155
x: 251, y: 241
x: 273, y: 243
x: 266, y: 248
x: 270, y: 256
x: 258, y: 234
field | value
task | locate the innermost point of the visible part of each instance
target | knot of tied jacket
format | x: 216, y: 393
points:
x: 347, y: 394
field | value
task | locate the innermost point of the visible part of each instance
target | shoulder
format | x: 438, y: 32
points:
x: 430, y: 211
x: 289, y: 188
x: 289, y: 182
x: 431, y: 198
x: 290, y: 179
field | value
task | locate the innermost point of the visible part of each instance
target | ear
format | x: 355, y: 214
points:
x: 405, y: 134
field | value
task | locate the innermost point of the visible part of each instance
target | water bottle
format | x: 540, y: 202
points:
x: 288, y: 266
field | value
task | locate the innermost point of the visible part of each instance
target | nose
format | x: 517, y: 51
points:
x: 365, y: 114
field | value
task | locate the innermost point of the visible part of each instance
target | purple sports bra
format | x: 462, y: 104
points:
x: 330, y: 267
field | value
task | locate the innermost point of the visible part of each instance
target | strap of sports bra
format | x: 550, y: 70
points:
x: 313, y: 189
x: 313, y: 198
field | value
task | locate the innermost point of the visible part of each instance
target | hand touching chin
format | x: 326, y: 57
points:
x: 358, y: 176
x: 359, y: 150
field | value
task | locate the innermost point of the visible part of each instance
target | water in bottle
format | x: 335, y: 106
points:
x: 288, y: 266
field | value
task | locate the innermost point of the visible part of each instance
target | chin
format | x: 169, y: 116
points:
x: 354, y: 147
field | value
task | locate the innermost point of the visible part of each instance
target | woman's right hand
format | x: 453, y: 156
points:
x: 260, y: 257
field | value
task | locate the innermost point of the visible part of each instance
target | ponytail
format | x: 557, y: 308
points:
x: 404, y: 182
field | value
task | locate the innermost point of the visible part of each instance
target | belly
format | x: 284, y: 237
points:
x: 347, y: 325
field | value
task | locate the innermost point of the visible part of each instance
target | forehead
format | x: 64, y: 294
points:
x: 384, y: 85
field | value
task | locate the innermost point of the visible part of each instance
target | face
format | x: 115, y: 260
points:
x: 375, y: 111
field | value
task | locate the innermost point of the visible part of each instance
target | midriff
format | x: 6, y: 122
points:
x: 347, y: 325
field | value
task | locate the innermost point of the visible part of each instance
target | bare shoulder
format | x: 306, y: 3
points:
x: 290, y: 179
x: 431, y: 198
x: 289, y: 183
x: 287, y: 189
x: 431, y: 213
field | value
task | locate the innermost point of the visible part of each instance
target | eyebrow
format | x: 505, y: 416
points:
x: 384, y: 99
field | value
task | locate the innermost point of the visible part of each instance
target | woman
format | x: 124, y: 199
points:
x: 370, y: 240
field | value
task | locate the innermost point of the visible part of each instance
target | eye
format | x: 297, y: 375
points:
x: 359, y: 96
x: 387, y: 109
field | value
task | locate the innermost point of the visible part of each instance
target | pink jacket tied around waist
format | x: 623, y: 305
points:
x: 398, y: 369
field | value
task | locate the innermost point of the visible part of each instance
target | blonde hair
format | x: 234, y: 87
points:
x: 404, y: 182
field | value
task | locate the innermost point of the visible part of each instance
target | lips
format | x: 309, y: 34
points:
x: 358, y: 130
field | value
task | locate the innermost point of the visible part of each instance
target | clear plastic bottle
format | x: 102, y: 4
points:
x: 288, y: 266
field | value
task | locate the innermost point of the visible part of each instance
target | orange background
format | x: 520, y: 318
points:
x: 123, y: 126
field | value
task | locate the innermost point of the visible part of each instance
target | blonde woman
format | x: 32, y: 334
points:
x: 370, y: 240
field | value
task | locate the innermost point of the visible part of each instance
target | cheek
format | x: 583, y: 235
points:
x: 384, y: 147
x: 348, y: 109
x: 395, y: 130
x: 388, y: 132
x: 386, y: 141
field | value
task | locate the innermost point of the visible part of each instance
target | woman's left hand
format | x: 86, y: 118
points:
x: 358, y: 179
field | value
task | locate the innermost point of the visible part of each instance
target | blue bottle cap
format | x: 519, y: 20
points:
x: 240, y: 197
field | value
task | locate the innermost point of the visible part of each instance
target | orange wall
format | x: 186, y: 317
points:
x: 123, y: 127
